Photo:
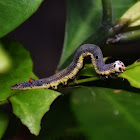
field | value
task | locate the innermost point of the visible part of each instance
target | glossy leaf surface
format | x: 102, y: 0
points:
x: 15, y: 12
x: 132, y: 74
x: 21, y: 68
x: 133, y: 13
x: 107, y: 113
x: 5, y: 62
x: 30, y: 105
x: 83, y: 19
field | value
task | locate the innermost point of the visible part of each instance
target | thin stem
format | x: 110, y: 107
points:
x: 100, y: 37
x: 105, y: 31
x: 125, y: 37
x: 129, y: 36
x: 85, y: 80
x: 107, y: 18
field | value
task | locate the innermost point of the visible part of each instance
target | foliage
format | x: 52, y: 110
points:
x: 15, y: 12
x: 88, y: 111
x: 107, y: 113
x: 3, y: 122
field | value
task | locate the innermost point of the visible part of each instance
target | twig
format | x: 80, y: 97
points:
x: 107, y: 19
x: 84, y: 80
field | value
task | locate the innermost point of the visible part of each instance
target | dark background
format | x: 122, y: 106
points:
x: 43, y: 34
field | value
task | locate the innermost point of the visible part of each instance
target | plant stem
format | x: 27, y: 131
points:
x: 106, y: 30
x: 85, y: 80
x: 107, y: 12
x: 129, y: 36
x: 100, y: 37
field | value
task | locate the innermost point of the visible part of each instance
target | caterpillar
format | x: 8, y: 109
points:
x: 71, y: 70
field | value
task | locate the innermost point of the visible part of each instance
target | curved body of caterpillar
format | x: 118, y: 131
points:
x: 70, y: 71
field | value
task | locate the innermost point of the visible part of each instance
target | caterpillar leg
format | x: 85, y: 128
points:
x: 75, y: 81
x: 101, y: 77
x: 54, y: 87
x: 65, y: 83
x: 116, y: 74
x: 111, y: 76
x: 106, y: 76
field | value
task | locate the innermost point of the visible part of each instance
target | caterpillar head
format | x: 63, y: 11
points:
x: 119, y: 66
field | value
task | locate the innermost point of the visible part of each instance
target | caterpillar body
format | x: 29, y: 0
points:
x: 71, y: 71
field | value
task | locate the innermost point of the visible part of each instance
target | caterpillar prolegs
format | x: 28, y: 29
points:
x: 71, y: 71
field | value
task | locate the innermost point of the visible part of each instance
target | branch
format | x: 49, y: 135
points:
x: 130, y: 36
x: 125, y: 37
x: 85, y: 80
x: 107, y: 18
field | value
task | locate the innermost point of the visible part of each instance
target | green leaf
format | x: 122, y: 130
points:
x: 130, y: 36
x: 5, y: 63
x: 31, y: 106
x: 83, y: 19
x: 120, y: 7
x: 132, y: 74
x: 88, y: 70
x: 21, y: 68
x: 133, y: 13
x: 64, y: 126
x: 107, y: 113
x: 4, y: 120
x: 15, y: 12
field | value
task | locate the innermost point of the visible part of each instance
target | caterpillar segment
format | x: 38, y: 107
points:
x: 71, y: 71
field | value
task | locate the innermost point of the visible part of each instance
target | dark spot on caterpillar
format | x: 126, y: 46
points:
x: 91, y: 51
x: 120, y: 69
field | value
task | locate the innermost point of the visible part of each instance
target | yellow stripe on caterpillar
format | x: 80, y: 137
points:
x: 71, y: 71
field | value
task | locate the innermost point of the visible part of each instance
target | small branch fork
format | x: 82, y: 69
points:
x: 107, y: 20
x: 107, y: 29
